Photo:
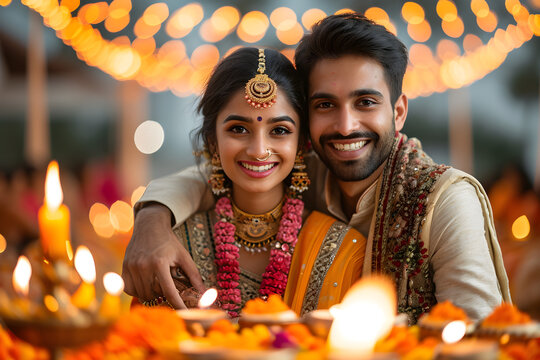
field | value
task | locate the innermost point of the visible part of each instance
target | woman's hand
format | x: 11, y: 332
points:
x: 151, y: 253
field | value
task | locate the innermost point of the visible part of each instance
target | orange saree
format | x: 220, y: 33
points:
x: 327, y: 261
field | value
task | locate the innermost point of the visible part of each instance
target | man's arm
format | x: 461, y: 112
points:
x: 464, y: 270
x: 183, y: 193
x: 154, y: 249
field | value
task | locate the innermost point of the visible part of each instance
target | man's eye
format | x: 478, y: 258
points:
x: 366, y: 102
x: 324, y: 105
x: 238, y: 129
x: 281, y: 130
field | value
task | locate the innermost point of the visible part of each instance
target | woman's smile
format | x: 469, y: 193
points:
x: 258, y: 169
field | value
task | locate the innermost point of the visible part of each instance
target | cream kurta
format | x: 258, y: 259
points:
x: 461, y: 252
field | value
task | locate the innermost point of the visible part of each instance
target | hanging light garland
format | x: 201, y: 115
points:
x: 168, y: 67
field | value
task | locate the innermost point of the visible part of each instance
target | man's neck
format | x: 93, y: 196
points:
x: 351, y: 191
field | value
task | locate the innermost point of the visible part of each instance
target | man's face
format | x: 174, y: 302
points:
x: 351, y: 118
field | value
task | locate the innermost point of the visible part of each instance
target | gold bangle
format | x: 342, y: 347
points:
x: 160, y: 300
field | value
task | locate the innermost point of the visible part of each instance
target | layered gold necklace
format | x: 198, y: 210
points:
x: 256, y: 232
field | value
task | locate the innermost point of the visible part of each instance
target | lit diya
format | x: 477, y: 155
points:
x: 454, y: 347
x: 199, y: 320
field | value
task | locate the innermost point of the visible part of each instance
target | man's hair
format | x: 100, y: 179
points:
x: 353, y: 34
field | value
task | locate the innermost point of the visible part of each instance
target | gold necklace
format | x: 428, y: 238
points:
x: 256, y: 232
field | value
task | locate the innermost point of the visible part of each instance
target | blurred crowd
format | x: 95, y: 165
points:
x: 511, y: 194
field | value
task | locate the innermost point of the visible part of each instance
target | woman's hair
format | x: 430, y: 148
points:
x: 231, y: 74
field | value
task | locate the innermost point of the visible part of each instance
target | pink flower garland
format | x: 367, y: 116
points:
x: 227, y: 253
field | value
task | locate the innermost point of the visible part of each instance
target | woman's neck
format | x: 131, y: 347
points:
x: 257, y: 203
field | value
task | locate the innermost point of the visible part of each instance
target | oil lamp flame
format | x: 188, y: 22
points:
x: 113, y: 283
x: 454, y: 331
x: 84, y: 264
x: 208, y: 298
x: 366, y: 314
x: 53, y: 189
x: 21, y: 275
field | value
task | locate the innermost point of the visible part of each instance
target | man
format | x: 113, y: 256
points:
x: 428, y: 226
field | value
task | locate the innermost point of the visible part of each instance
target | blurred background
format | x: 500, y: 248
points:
x: 109, y: 89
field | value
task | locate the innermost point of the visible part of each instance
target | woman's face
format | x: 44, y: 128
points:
x: 244, y: 133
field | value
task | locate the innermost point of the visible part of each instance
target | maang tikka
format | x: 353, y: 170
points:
x: 261, y: 91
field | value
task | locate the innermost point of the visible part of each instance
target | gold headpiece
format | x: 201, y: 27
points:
x: 261, y: 90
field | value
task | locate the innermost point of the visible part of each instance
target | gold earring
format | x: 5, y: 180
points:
x: 299, y: 178
x: 217, y: 178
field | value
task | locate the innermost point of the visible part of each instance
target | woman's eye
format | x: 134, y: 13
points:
x: 281, y: 130
x: 238, y: 129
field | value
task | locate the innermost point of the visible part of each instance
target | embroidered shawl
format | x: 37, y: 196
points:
x: 406, y: 195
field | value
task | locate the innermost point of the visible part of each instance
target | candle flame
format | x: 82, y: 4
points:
x: 366, y: 314
x: 208, y: 298
x: 113, y: 283
x: 21, y: 275
x: 53, y: 189
x: 454, y: 331
x: 84, y: 264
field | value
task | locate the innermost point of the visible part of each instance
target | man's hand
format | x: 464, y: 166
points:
x: 150, y: 255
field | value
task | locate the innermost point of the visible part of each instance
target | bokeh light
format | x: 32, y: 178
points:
x: 121, y: 215
x: 184, y: 20
x: 225, y: 18
x: 253, y: 26
x: 50, y: 303
x: 3, y: 243
x: 144, y: 47
x: 312, y: 16
x: 380, y: 17
x: 70, y: 5
x: 292, y: 35
x: 155, y: 14
x: 454, y: 28
x: 136, y: 194
x: 487, y: 23
x: 471, y: 42
x: 172, y: 52
x: 205, y: 57
x: 446, y: 10
x: 420, y: 32
x: 97, y: 209
x: 149, y: 137
x: 420, y: 55
x: 447, y: 49
x: 480, y: 8
x: 283, y: 18
x: 412, y: 13
x: 521, y: 228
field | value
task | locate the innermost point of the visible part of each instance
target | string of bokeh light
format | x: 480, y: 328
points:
x: 456, y: 61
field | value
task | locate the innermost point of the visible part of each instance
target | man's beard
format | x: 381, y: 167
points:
x: 360, y: 169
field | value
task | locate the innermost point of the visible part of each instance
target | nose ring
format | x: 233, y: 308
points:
x: 268, y: 154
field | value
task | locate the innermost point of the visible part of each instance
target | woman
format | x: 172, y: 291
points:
x: 253, y: 131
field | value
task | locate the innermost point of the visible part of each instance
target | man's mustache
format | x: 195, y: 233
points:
x: 354, y: 135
